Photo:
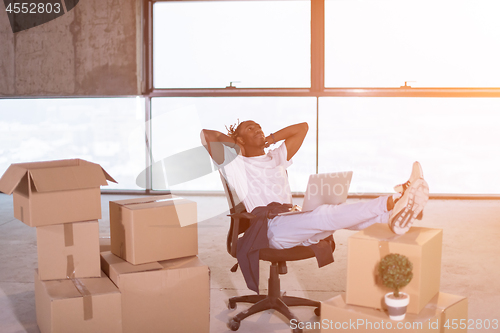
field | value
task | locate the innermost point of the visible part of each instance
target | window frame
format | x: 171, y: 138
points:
x: 317, y: 88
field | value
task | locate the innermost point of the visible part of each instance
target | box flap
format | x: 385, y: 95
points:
x: 184, y: 213
x: 99, y: 286
x: 47, y: 164
x: 156, y: 203
x: 106, y: 174
x: 60, y: 289
x: 56, y: 175
x: 108, y: 177
x: 66, y: 288
x: 134, y: 203
x: 381, y: 232
x: 68, y: 178
x: 11, y: 178
x: 443, y: 300
x: 153, y: 202
x: 121, y: 266
x: 181, y: 263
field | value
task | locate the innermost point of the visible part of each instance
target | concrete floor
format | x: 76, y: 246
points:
x: 470, y: 264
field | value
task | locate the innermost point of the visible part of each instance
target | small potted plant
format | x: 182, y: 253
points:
x: 395, y: 271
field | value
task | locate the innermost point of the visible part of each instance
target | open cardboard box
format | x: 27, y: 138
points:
x: 69, y: 250
x: 78, y: 305
x: 150, y: 229
x: 170, y: 296
x: 367, y: 247
x: 55, y: 192
x: 445, y: 313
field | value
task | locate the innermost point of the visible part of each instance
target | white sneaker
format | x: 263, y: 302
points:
x: 416, y: 173
x: 411, y: 204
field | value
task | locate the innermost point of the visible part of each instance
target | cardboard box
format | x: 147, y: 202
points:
x: 78, y: 305
x: 69, y: 250
x: 161, y: 297
x: 55, y: 192
x: 151, y: 229
x: 104, y: 244
x: 445, y: 313
x: 367, y: 247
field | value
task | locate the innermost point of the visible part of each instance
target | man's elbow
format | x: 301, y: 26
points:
x: 304, y: 127
x: 206, y: 137
x: 202, y: 137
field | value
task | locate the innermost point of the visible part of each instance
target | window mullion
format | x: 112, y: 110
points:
x: 317, y: 45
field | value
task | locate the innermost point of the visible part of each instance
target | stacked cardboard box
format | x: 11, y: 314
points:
x: 153, y: 281
x: 153, y: 262
x: 367, y: 247
x: 153, y: 228
x: 69, y: 250
x: 165, y: 296
x: 364, y: 298
x: 62, y: 199
x: 78, y: 305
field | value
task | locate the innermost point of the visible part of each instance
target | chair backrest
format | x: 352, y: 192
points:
x: 236, y: 206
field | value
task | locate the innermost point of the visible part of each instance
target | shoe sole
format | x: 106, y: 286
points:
x: 418, y: 194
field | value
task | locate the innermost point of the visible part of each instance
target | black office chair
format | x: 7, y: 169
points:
x: 240, y: 221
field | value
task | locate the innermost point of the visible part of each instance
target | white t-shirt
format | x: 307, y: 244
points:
x: 259, y: 180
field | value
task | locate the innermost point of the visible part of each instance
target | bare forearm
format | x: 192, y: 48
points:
x: 214, y: 136
x: 288, y: 132
x: 293, y: 135
x: 214, y: 142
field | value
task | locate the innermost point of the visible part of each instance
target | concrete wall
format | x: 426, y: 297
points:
x: 91, y: 50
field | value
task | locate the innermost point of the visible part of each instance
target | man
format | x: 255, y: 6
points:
x: 260, y: 178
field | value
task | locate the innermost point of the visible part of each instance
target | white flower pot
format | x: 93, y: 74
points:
x: 397, y: 306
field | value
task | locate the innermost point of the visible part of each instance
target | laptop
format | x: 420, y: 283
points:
x: 325, y: 188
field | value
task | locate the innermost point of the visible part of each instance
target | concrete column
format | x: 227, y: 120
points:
x: 92, y: 50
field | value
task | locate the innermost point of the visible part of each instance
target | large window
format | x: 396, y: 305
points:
x: 433, y: 43
x: 108, y: 131
x: 455, y: 140
x: 250, y: 43
x: 342, y: 64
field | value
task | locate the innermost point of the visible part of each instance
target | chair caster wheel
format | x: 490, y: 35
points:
x: 297, y: 330
x: 233, y: 324
x: 317, y: 311
x: 231, y: 305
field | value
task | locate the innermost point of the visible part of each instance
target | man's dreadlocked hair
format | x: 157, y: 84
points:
x: 232, y: 131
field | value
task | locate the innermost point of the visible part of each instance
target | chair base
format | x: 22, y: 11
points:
x: 263, y: 302
x: 273, y: 301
